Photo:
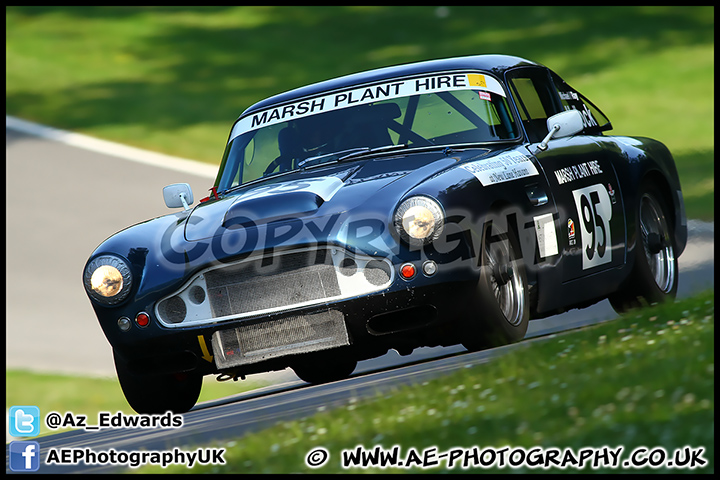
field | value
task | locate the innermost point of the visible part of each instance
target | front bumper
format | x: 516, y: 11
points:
x: 265, y: 312
x: 362, y: 327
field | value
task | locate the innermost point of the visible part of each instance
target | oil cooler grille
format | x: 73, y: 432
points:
x: 292, y: 279
x: 256, y: 342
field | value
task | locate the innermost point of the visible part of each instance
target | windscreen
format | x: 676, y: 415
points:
x: 448, y: 109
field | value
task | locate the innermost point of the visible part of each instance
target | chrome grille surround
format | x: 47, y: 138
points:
x: 263, y: 285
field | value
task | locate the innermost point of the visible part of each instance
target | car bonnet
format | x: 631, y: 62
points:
x: 311, y: 194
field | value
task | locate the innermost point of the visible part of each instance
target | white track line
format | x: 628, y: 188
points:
x: 111, y: 148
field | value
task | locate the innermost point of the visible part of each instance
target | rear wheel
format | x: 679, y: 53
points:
x: 654, y: 278
x: 177, y: 392
x: 502, y: 294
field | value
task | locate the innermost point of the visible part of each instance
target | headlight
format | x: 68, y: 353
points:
x: 419, y: 220
x: 107, y: 279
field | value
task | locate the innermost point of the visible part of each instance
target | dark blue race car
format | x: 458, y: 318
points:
x: 436, y: 203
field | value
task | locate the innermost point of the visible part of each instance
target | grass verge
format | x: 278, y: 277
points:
x: 173, y: 79
x: 90, y: 395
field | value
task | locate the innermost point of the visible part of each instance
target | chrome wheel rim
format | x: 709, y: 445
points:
x: 505, y: 282
x: 656, y: 243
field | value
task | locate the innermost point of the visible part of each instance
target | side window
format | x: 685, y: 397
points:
x: 531, y: 108
x: 593, y: 119
x: 536, y: 100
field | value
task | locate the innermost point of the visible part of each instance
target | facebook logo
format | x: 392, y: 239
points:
x: 24, y: 456
x: 24, y: 421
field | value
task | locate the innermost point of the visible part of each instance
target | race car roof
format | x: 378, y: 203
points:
x: 496, y: 64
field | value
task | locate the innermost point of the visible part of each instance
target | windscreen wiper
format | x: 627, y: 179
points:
x: 350, y: 153
x: 335, y: 156
x: 374, y: 150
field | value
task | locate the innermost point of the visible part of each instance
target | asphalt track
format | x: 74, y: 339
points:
x: 66, y: 193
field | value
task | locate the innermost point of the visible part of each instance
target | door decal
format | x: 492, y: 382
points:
x: 545, y: 234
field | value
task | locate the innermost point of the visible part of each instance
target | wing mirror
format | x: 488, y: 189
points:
x: 178, y: 195
x: 563, y: 124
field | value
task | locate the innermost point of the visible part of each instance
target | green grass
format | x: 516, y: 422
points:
x: 173, y: 79
x: 90, y: 395
x: 643, y: 380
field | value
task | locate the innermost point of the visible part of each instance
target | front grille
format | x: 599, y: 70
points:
x: 270, y: 284
x: 274, y: 338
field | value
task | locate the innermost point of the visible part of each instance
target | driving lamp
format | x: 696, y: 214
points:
x: 107, y: 279
x: 419, y: 220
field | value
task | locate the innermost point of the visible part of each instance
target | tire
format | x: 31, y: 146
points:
x: 502, y: 303
x: 654, y: 278
x: 176, y: 392
x: 324, y: 368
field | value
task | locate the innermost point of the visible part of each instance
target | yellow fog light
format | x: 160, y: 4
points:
x: 106, y: 281
x: 418, y: 222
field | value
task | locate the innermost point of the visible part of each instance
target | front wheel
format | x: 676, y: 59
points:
x: 502, y: 305
x: 177, y: 392
x: 654, y: 278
